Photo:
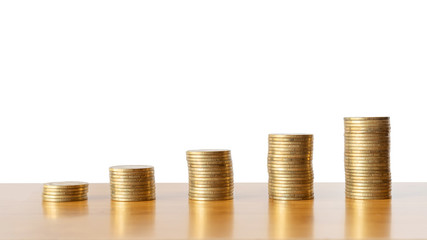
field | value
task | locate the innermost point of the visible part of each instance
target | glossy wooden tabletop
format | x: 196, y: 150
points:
x: 251, y: 215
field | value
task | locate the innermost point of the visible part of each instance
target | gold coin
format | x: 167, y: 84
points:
x: 145, y: 189
x: 64, y: 194
x: 132, y: 176
x: 134, y: 188
x: 366, y: 118
x: 366, y: 143
x: 128, y: 190
x: 370, y: 167
x: 367, y: 182
x: 289, y: 169
x: 289, y: 160
x: 195, y: 177
x: 292, y: 185
x: 366, y: 168
x: 211, y: 193
x: 287, y: 179
x: 358, y: 126
x: 291, y: 156
x: 209, y: 185
x: 67, y: 184
x: 290, y: 141
x: 289, y: 164
x: 208, y: 152
x: 133, y: 199
x: 364, y: 194
x: 209, y: 164
x: 210, y: 180
x: 140, y: 188
x: 367, y: 159
x: 290, y: 146
x: 132, y: 183
x: 63, y: 200
x: 382, y: 196
x: 366, y: 155
x: 292, y: 168
x: 209, y: 158
x: 366, y: 136
x: 131, y: 168
x: 293, y: 192
x: 52, y: 197
x: 290, y: 172
x: 283, y: 135
x: 290, y: 196
x: 368, y: 190
x: 290, y: 190
x: 368, y: 186
x: 217, y: 176
x: 367, y: 130
x: 65, y: 190
x: 211, y: 197
x: 119, y: 192
x: 210, y: 174
x: 368, y: 198
x: 132, y: 194
x: 132, y: 180
x: 209, y: 169
x: 290, y: 153
x: 293, y: 142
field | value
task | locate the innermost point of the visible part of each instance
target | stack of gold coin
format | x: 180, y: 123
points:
x: 290, y: 167
x: 367, y: 157
x: 129, y: 183
x: 65, y: 191
x: 210, y: 174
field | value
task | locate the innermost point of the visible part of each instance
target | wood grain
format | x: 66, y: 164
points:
x: 251, y: 215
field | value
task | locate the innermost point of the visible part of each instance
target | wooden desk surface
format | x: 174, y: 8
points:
x: 251, y: 215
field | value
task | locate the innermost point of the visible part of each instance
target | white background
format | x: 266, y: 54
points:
x: 89, y: 84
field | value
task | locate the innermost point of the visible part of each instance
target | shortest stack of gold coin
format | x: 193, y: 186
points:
x: 210, y: 175
x: 65, y: 191
x: 130, y: 183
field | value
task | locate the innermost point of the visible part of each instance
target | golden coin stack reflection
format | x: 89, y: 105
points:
x: 210, y: 174
x: 65, y: 191
x: 290, y: 167
x: 132, y: 183
x: 367, y: 157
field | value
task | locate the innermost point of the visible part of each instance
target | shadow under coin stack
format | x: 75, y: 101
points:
x: 210, y: 175
x: 131, y: 183
x: 367, y: 157
x: 290, y: 167
x: 65, y: 191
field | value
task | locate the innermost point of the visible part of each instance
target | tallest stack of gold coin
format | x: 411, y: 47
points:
x: 367, y: 157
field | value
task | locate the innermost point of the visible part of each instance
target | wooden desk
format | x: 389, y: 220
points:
x: 250, y: 216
